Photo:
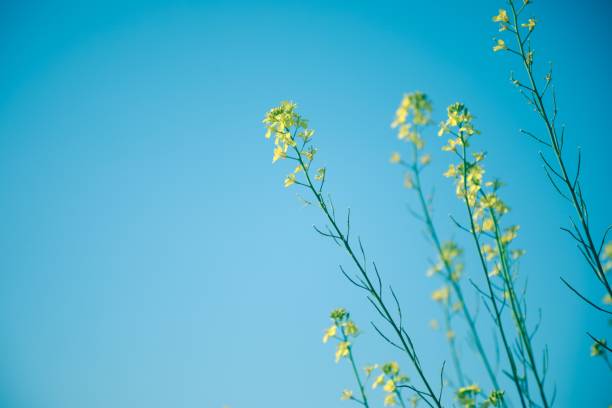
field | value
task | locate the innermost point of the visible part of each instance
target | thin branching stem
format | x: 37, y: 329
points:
x: 433, y: 234
x: 514, y: 375
x: 572, y: 184
x: 364, y: 397
x: 376, y: 295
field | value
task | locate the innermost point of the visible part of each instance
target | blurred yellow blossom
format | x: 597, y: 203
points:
x: 378, y: 381
x: 289, y: 180
x: 390, y: 400
x: 441, y: 295
x: 501, y: 17
x: 342, y: 350
x: 329, y: 333
x: 346, y: 395
x: 501, y: 45
x: 530, y: 24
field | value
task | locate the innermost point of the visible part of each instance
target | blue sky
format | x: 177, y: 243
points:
x: 150, y: 254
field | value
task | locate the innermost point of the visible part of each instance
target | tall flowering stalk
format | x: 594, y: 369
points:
x: 412, y: 116
x: 485, y: 211
x: 565, y: 182
x: 292, y: 140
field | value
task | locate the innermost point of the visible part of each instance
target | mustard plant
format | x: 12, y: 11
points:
x: 342, y: 330
x: 292, y: 140
x: 485, y: 211
x: 540, y: 95
x: 412, y: 117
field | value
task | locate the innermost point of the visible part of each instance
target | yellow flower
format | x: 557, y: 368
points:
x: 431, y: 271
x: 510, y: 234
x: 449, y: 251
x: 530, y: 24
x: 450, y: 335
x: 501, y: 45
x: 425, y: 159
x: 470, y: 389
x: 390, y: 400
x: 329, y: 333
x: 395, y: 158
x: 346, y: 395
x: 289, y: 180
x: 320, y: 175
x: 434, y: 324
x: 607, y: 299
x: 451, y: 172
x: 378, y: 381
x: 452, y: 144
x: 501, y: 17
x: 389, y: 386
x: 488, y: 225
x: 608, y: 250
x: 441, y: 295
x: 350, y: 329
x: 416, y: 103
x: 495, y: 271
x: 408, y: 182
x: 443, y: 129
x: 479, y: 156
x: 342, y: 350
x: 517, y: 253
x: 279, y: 153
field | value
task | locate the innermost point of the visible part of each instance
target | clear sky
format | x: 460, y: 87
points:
x: 150, y: 256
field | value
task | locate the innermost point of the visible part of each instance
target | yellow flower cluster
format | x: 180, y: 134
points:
x: 346, y: 395
x: 390, y: 379
x: 441, y: 295
x: 505, y: 25
x: 341, y: 329
x: 449, y: 256
x: 467, y: 396
x: 418, y: 107
x: 288, y: 127
x: 471, y: 186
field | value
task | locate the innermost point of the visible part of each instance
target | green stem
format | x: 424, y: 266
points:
x: 483, y: 263
x: 364, y: 400
x: 578, y: 203
x: 453, y: 346
x: 517, y: 312
x: 449, y: 271
x: 406, y: 342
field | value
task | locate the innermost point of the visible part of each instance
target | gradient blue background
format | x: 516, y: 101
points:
x: 149, y: 254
